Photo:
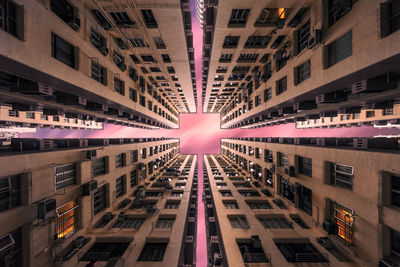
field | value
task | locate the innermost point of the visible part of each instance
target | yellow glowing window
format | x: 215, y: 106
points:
x: 344, y: 221
x: 66, y: 219
x: 282, y: 13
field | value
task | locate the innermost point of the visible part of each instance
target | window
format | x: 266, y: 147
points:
x: 338, y: 50
x: 370, y: 113
x: 231, y: 42
x: 248, y: 57
x: 133, y: 94
x: 226, y: 193
x: 170, y: 69
x: 301, y: 37
x: 65, y: 11
x: 99, y: 166
x: 11, y: 248
x: 222, y: 69
x: 165, y: 223
x: 305, y: 166
x: 147, y: 58
x: 176, y: 193
x: 267, y: 94
x: 119, y: 60
x: 98, y: 41
x: 344, y: 221
x: 342, y: 175
x: 65, y: 176
x: 99, y: 199
x: 119, y: 86
x: 387, y: 112
x: 166, y: 58
x: 302, y: 72
x: 105, y: 251
x: 337, y: 9
x: 12, y: 18
x: 142, y: 101
x: 133, y: 178
x: 10, y: 192
x: 159, y: 42
x: 134, y: 156
x: 300, y: 252
x: 143, y: 153
x: 119, y: 186
x: 390, y: 17
x: 66, y: 222
x: 281, y: 86
x: 283, y: 160
x: 249, y: 193
x: 99, y: 73
x: 395, y: 190
x: 225, y: 58
x: 238, y: 17
x: 138, y: 42
x: 252, y: 253
x: 133, y: 74
x: 230, y: 204
x: 153, y: 252
x: 119, y: 160
x: 271, y: 17
x: 63, y: 51
x: 255, y: 41
x: 126, y: 221
x: 172, y: 204
x: 122, y: 19
x: 264, y: 204
x: 275, y: 221
x: 305, y: 199
x: 238, y: 221
x: 149, y: 18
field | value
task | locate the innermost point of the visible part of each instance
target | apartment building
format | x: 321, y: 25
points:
x: 266, y: 63
x: 11, y: 117
x: 113, y: 61
x: 109, y: 202
x: 289, y: 201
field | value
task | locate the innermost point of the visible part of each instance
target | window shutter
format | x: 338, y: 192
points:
x: 296, y: 43
x: 277, y: 87
x: 76, y: 57
x: 328, y: 170
x: 328, y: 208
x: 20, y: 23
x: 325, y: 52
x: 122, y: 87
x: 385, y: 25
x: 296, y: 75
x: 105, y: 75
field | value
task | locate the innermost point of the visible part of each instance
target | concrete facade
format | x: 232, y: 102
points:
x: 136, y: 172
x: 307, y: 192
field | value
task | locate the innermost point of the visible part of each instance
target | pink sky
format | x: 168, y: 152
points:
x: 200, y: 134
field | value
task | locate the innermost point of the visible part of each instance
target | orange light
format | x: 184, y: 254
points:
x: 282, y: 13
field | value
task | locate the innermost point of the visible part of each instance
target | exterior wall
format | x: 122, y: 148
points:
x: 363, y: 20
x: 37, y: 182
x: 49, y: 121
x: 365, y: 199
x: 34, y: 51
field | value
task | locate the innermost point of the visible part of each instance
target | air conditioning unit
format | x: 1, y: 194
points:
x: 255, y: 241
x: 6, y: 241
x: 329, y: 227
x: 314, y: 39
x: 90, y: 154
x: 103, y: 50
x: 89, y: 187
x: 46, y: 209
x: 272, y: 168
x: 217, y: 259
x: 211, y: 219
x: 214, y: 239
x: 74, y: 22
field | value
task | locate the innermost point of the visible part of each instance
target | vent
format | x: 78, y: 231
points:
x: 46, y: 209
x: 189, y: 239
x: 89, y: 187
